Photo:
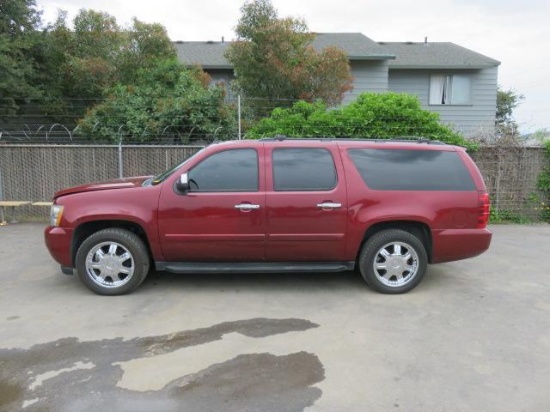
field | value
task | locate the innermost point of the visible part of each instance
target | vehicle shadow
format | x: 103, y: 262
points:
x: 435, y: 278
x: 255, y: 281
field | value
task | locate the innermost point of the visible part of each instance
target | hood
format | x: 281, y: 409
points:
x: 125, y: 183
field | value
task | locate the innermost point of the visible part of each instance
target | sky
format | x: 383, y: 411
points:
x: 514, y: 32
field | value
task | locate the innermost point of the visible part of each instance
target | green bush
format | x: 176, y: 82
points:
x: 507, y: 216
x: 543, y: 184
x: 165, y: 97
x: 371, y: 116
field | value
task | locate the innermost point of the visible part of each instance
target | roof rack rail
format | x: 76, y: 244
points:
x: 404, y: 139
x: 416, y: 139
x: 277, y: 137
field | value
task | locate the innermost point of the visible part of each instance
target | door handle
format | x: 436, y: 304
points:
x: 329, y: 205
x: 246, y: 207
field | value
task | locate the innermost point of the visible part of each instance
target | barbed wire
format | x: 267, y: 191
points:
x: 32, y: 124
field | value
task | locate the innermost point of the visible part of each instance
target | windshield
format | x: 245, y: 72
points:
x: 159, y: 178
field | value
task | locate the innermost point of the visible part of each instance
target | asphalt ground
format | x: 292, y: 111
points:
x: 473, y: 336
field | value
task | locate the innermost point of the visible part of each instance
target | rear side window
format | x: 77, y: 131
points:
x: 385, y: 169
x: 304, y: 169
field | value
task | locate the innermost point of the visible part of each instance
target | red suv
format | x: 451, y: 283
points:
x: 275, y: 205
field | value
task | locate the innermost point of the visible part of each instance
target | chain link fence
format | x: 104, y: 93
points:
x: 33, y: 173
x: 510, y: 173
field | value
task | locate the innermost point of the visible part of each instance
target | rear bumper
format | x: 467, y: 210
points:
x: 58, y: 242
x: 457, y: 244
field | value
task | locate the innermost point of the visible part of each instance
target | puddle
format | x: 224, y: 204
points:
x: 69, y: 375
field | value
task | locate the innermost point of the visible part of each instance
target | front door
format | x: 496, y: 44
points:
x: 222, y: 217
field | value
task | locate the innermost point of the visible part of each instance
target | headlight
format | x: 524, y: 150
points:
x: 55, y: 215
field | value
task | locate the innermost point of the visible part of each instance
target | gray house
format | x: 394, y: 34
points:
x: 457, y: 83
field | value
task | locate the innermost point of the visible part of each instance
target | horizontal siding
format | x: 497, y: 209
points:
x: 469, y: 119
x: 368, y: 76
x: 224, y: 76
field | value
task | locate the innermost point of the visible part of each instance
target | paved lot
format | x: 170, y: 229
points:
x: 474, y: 336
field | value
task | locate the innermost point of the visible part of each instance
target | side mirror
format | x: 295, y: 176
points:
x: 182, y: 185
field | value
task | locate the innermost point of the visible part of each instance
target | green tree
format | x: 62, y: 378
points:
x: 144, y: 43
x: 19, y: 35
x: 275, y: 62
x: 95, y: 56
x: 372, y: 116
x: 507, y: 101
x: 166, y: 99
x: 80, y: 63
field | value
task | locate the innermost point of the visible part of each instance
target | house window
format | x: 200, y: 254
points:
x: 450, y: 89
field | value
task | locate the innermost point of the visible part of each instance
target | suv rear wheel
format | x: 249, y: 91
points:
x: 393, y: 261
x: 112, y: 261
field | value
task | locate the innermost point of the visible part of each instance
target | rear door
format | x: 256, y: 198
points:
x: 306, y: 203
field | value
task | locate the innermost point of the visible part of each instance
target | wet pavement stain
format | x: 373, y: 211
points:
x: 69, y: 375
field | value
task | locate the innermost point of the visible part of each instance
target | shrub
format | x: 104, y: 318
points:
x: 371, y: 116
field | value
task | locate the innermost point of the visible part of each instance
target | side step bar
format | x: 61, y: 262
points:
x: 253, y: 267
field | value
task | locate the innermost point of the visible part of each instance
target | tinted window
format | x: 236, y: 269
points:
x: 303, y: 169
x: 229, y: 171
x: 384, y: 169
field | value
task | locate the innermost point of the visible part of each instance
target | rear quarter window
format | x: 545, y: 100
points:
x: 401, y: 169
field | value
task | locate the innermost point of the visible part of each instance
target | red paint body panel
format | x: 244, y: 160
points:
x: 297, y: 229
x: 207, y: 227
x: 58, y: 242
x: 286, y: 226
x: 456, y: 244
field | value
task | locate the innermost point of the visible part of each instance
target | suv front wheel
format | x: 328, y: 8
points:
x: 393, y: 261
x: 112, y: 261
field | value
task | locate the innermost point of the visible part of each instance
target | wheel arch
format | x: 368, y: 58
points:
x: 87, y: 229
x: 419, y: 229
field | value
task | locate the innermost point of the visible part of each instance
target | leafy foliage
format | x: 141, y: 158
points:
x: 507, y: 216
x: 507, y: 101
x: 143, y: 44
x: 121, y: 81
x: 19, y: 36
x: 372, y: 115
x: 543, y: 184
x: 95, y: 56
x: 162, y: 98
x: 274, y: 61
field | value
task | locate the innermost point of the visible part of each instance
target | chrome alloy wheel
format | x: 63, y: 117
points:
x: 109, y: 264
x: 395, y: 264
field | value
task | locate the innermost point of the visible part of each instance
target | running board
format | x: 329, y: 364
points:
x: 253, y: 267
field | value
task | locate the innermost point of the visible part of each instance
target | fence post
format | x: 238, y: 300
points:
x: 120, y: 165
x: 1, y: 186
x: 239, y: 113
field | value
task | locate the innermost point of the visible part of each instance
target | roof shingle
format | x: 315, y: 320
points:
x: 409, y: 55
x: 438, y: 55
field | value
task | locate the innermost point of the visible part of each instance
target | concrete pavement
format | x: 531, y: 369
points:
x: 474, y: 336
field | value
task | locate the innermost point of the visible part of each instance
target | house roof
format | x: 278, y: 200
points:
x: 356, y: 45
x: 210, y: 54
x: 439, y: 55
x: 207, y: 54
x: 408, y: 55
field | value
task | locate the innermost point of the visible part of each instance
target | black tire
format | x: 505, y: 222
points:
x: 393, y: 261
x: 112, y: 262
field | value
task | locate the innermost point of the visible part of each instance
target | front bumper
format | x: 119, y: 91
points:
x: 58, y: 242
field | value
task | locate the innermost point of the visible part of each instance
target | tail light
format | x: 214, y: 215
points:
x: 484, y: 210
